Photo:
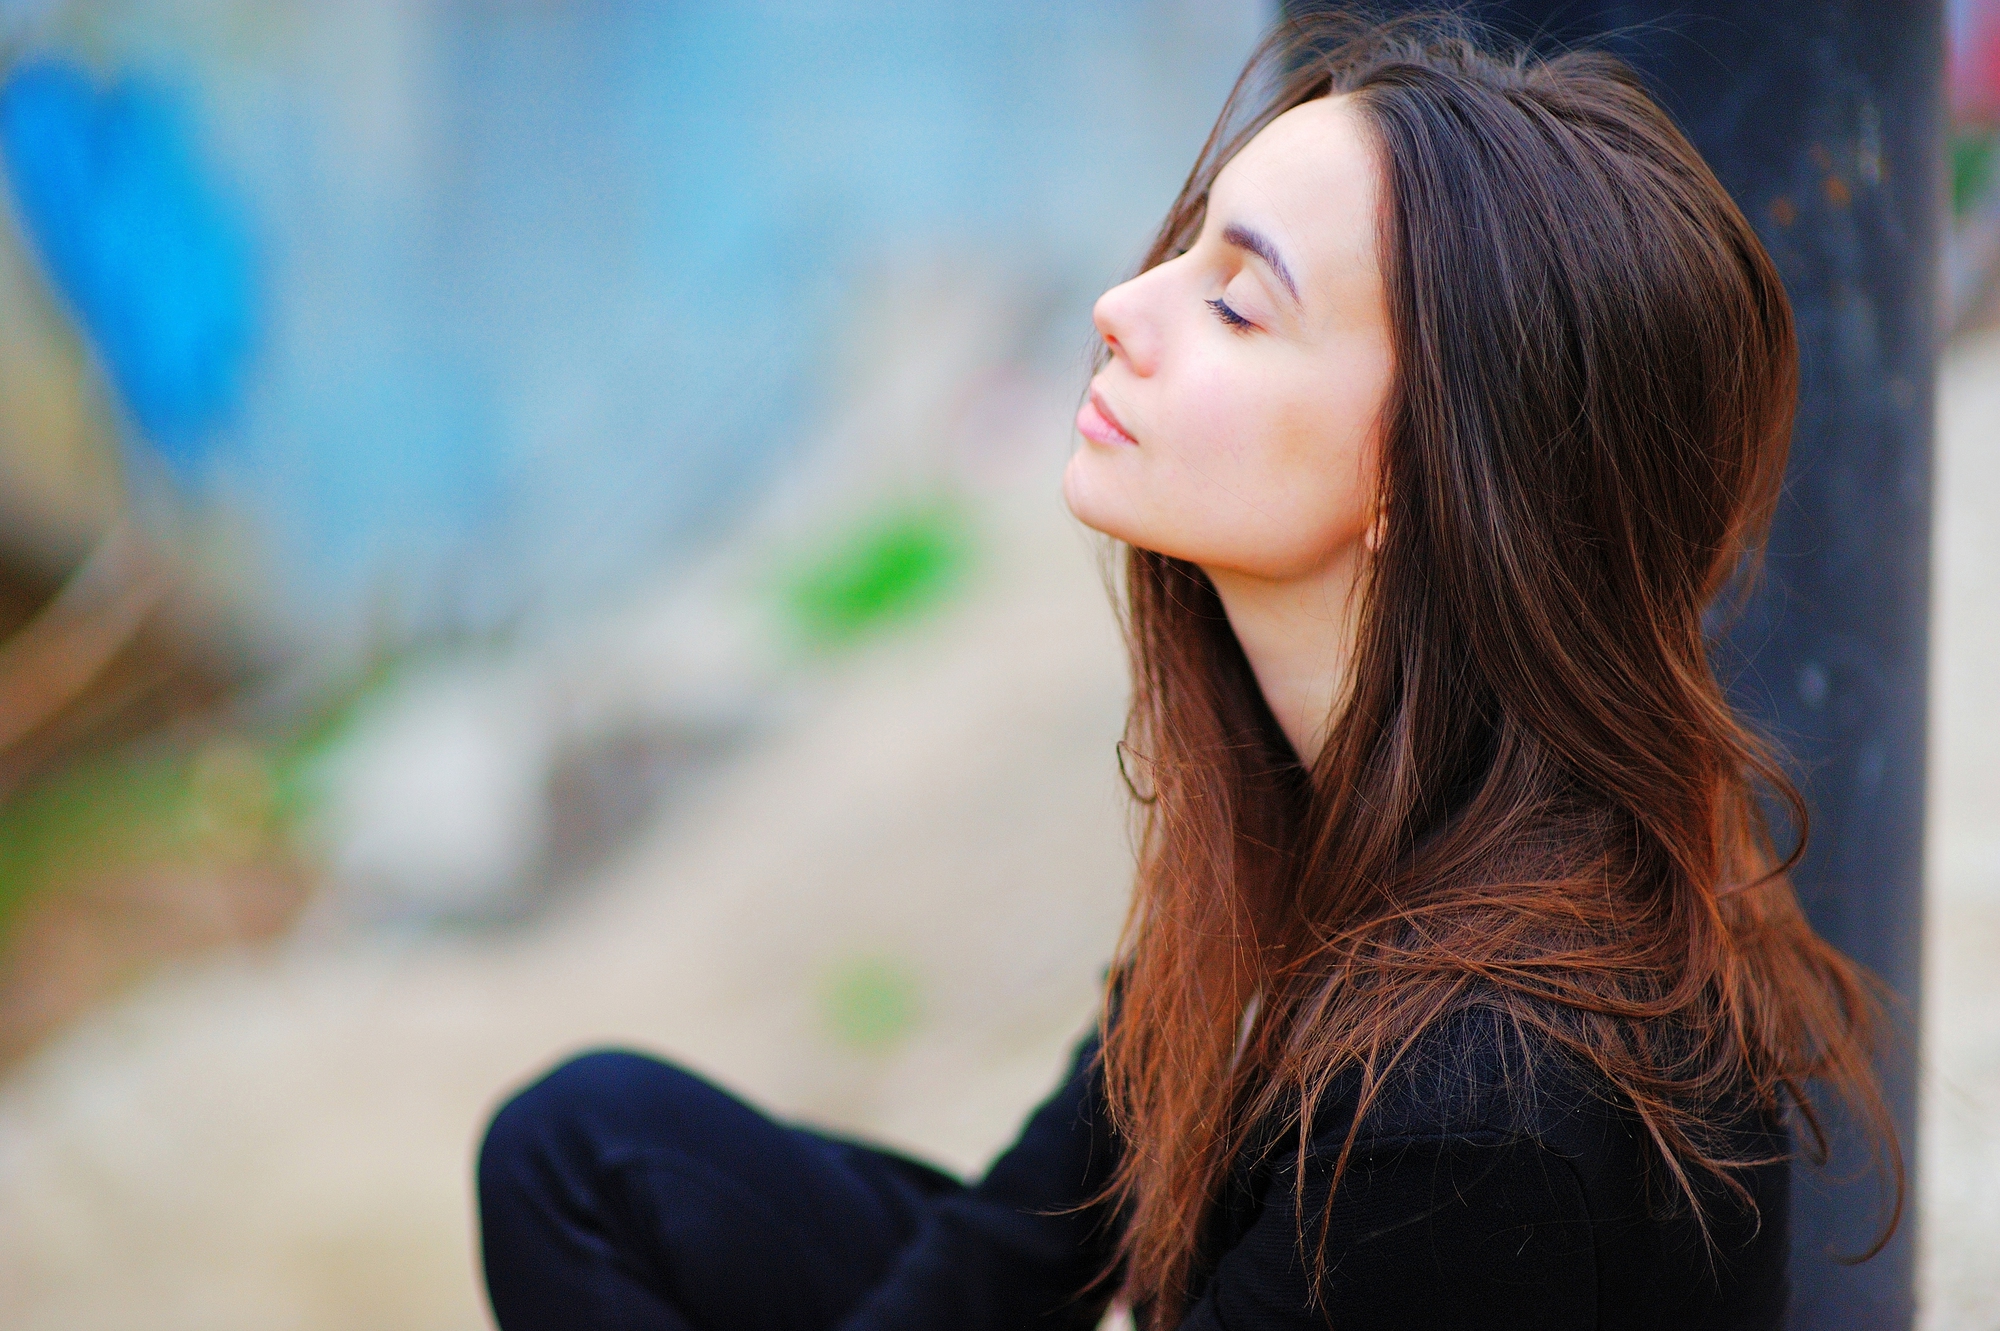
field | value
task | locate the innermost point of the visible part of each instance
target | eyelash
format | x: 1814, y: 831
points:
x: 1229, y: 316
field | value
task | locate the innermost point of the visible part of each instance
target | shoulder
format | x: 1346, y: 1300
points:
x: 1492, y: 1165
x: 1478, y: 1073
x: 1493, y: 1091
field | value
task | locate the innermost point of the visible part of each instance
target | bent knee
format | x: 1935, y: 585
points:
x: 579, y: 1111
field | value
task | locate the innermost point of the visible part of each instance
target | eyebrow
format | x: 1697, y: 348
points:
x: 1243, y: 238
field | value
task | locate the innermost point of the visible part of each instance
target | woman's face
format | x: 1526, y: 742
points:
x: 1235, y: 423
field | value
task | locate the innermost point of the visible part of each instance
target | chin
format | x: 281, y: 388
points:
x: 1079, y: 494
x: 1092, y: 506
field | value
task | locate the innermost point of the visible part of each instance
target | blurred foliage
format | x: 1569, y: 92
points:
x: 892, y: 567
x: 119, y: 811
x: 872, y: 1003
x: 230, y: 800
x: 1972, y: 161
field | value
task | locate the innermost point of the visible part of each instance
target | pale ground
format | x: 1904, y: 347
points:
x: 1960, y: 1151
x: 283, y: 1142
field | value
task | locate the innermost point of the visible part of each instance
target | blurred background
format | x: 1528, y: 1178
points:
x: 526, y: 525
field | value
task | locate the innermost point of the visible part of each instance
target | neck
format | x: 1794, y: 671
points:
x: 1299, y: 637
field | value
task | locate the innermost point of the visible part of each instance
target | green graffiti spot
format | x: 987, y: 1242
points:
x: 891, y: 568
x: 871, y: 1003
x: 1972, y: 161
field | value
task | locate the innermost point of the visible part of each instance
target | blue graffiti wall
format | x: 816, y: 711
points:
x: 477, y: 308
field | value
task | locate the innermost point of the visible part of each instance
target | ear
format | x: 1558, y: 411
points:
x: 1371, y: 540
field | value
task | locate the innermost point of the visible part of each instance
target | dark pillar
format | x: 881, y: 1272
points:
x: 1825, y: 119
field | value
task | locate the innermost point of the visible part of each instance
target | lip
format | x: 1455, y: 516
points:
x: 1095, y: 422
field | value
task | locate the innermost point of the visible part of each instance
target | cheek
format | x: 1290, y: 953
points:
x: 1216, y: 415
x: 1290, y: 476
x: 1268, y: 475
x: 1335, y: 438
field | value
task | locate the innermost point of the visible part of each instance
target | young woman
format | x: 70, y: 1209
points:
x: 1462, y: 985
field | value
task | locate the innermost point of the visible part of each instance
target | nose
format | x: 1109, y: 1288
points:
x: 1122, y: 322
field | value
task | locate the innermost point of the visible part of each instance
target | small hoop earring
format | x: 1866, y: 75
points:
x: 1127, y: 778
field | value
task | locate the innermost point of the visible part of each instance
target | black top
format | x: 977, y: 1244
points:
x: 1465, y: 1204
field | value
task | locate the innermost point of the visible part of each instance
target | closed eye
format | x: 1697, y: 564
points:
x: 1229, y: 316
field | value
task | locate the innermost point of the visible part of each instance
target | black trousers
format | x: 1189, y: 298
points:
x: 623, y: 1192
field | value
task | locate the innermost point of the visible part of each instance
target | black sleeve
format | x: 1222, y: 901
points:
x: 1468, y: 1231
x: 1015, y: 1250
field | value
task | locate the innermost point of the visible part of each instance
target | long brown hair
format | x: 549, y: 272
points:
x: 1535, y: 800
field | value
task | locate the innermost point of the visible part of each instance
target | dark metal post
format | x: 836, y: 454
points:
x: 1825, y: 120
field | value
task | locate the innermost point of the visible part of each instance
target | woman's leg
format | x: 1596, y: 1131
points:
x: 620, y: 1191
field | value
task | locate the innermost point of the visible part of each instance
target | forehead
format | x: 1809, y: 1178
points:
x: 1309, y: 180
